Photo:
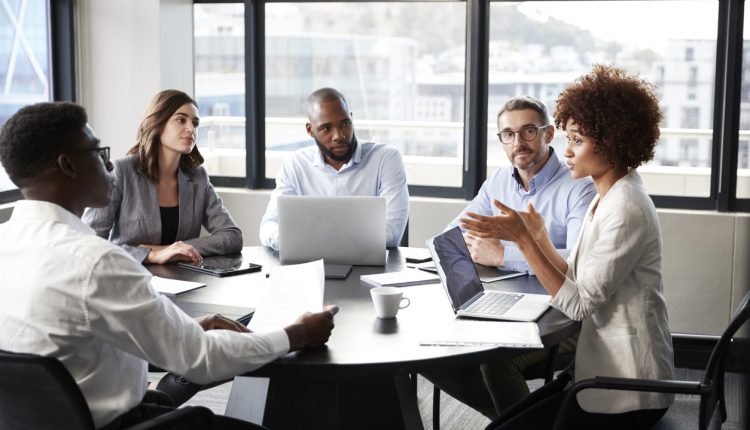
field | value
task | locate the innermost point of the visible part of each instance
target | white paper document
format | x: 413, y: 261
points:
x: 293, y: 290
x: 173, y: 286
x: 464, y: 332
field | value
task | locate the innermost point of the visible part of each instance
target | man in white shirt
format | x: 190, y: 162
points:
x: 339, y: 165
x: 74, y: 296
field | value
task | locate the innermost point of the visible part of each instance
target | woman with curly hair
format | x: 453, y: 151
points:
x: 612, y: 281
x: 162, y: 194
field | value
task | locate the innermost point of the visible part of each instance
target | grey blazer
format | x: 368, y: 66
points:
x: 133, y: 216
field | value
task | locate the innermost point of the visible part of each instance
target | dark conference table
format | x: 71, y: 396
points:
x: 360, y: 378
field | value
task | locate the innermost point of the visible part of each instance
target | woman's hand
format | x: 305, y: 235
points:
x: 178, y: 251
x: 508, y: 225
x: 534, y: 223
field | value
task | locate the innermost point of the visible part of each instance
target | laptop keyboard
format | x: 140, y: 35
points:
x: 494, y: 303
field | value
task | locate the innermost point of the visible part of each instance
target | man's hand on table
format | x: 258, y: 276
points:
x: 220, y: 322
x: 311, y: 329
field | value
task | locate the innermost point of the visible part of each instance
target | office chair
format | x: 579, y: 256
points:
x: 38, y: 393
x: 710, y: 388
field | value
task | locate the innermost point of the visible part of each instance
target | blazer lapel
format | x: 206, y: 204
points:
x: 151, y: 214
x: 187, y: 205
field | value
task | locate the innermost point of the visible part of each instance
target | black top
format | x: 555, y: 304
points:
x: 170, y: 220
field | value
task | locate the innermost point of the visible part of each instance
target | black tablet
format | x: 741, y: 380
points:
x: 222, y: 265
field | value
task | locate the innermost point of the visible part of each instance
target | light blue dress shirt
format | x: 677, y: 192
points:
x: 374, y: 170
x: 560, y: 199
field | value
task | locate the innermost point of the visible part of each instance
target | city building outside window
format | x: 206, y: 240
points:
x: 24, y: 60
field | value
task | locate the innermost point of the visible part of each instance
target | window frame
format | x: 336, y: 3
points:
x: 61, y: 41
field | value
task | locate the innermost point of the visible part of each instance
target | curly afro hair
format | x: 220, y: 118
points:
x: 33, y: 137
x: 619, y: 111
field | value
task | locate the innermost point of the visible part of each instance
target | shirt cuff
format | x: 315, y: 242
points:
x: 279, y: 341
x: 566, y: 297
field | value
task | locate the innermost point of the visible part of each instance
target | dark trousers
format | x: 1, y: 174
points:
x: 156, y: 403
x: 539, y: 410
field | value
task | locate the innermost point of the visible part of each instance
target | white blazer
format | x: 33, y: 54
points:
x: 614, y: 286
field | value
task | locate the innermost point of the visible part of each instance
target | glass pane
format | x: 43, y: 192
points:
x: 400, y: 66
x: 24, y: 64
x: 538, y: 48
x: 743, y: 159
x: 219, y: 32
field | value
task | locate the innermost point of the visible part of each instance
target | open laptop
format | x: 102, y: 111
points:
x: 340, y: 230
x: 465, y: 290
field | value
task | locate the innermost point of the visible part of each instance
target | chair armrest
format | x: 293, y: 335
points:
x: 632, y: 384
x: 625, y: 384
x: 168, y: 420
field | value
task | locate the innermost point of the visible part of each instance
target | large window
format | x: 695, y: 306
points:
x: 429, y: 76
x: 743, y: 156
x: 24, y: 60
x: 400, y: 66
x: 219, y: 49
x: 538, y: 48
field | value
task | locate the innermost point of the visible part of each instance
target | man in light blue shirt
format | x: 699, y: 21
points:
x: 339, y: 165
x: 535, y: 176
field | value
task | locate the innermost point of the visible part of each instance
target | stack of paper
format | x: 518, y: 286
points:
x: 401, y: 279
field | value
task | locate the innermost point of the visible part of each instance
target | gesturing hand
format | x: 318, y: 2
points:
x: 508, y: 225
x: 534, y: 223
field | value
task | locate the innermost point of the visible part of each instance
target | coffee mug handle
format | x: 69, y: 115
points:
x: 408, y: 302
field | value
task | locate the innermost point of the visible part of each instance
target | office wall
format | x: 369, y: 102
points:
x: 127, y: 52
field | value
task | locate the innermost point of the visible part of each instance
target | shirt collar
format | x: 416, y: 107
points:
x: 46, y: 211
x: 542, y: 177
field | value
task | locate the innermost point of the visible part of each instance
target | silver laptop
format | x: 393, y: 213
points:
x: 340, y: 230
x: 465, y: 290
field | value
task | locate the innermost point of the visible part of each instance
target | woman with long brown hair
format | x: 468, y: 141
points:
x: 162, y: 194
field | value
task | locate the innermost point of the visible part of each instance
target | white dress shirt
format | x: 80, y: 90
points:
x: 374, y: 170
x: 72, y: 295
x: 614, y: 286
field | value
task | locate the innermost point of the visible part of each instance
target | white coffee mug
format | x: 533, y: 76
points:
x: 387, y: 301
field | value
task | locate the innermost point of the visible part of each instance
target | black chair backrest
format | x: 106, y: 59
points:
x: 714, y: 376
x: 38, y: 393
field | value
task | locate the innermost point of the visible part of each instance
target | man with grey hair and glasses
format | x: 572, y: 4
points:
x: 535, y: 176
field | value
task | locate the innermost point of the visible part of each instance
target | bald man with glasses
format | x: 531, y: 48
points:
x: 535, y: 176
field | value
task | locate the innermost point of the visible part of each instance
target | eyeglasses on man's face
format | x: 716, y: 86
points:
x: 527, y: 133
x: 103, y: 152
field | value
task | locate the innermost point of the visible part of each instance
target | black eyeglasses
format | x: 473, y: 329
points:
x: 527, y: 133
x: 103, y: 152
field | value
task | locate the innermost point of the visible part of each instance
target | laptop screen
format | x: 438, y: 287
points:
x: 458, y: 273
